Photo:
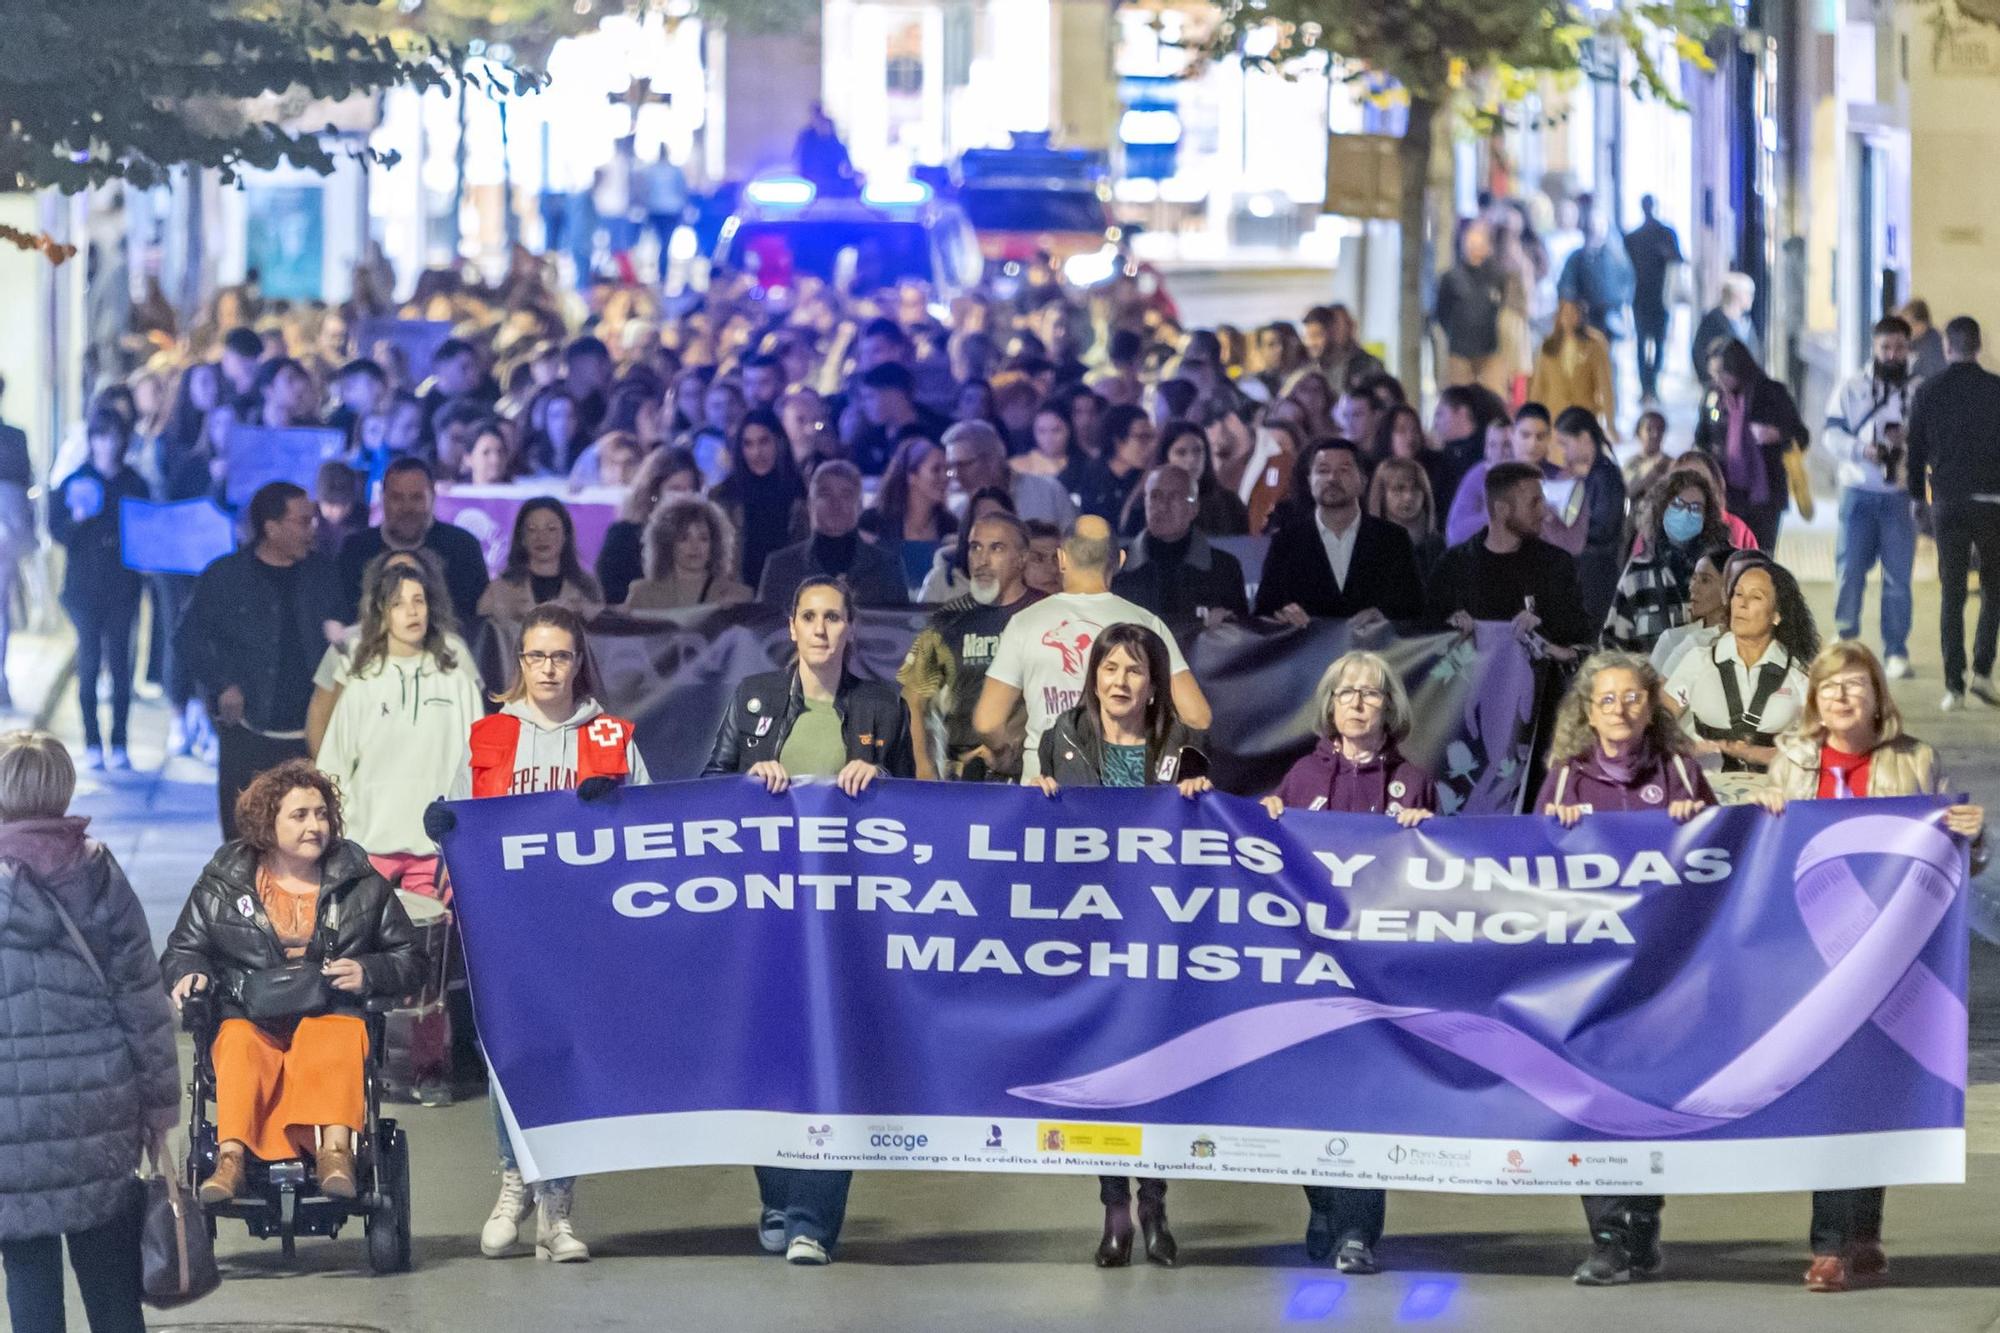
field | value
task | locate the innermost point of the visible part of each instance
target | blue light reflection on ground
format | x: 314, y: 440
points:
x: 1425, y: 1297
x: 1315, y: 1298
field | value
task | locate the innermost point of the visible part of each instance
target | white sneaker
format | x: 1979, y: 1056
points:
x: 555, y: 1239
x: 771, y: 1231
x: 503, y: 1224
x: 1897, y: 667
x: 93, y: 758
x: 1951, y: 702
x: 804, y: 1250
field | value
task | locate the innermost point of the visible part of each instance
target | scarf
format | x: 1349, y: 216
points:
x: 1622, y: 766
x: 1358, y: 788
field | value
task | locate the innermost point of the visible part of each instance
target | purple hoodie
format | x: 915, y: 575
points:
x: 1654, y: 784
x: 1328, y: 780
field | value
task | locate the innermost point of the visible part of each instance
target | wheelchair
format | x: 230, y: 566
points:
x: 283, y: 1199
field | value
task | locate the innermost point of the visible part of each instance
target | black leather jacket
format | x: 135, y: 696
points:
x: 1072, y: 752
x: 873, y: 721
x: 359, y: 918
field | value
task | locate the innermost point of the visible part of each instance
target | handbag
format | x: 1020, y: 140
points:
x: 1796, y: 479
x: 176, y: 1257
x: 292, y: 991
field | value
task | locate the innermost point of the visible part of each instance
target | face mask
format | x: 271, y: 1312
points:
x: 1892, y: 372
x: 1681, y: 527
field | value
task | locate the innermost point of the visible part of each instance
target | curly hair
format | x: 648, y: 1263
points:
x: 1573, y: 734
x: 257, y: 808
x: 1796, y: 631
x: 1650, y: 514
x: 671, y: 521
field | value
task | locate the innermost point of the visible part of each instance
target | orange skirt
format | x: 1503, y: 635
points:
x: 271, y: 1092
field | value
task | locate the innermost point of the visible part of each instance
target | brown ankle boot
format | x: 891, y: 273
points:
x: 336, y: 1171
x: 227, y: 1181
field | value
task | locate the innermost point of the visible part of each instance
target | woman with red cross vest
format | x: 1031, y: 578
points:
x: 550, y: 734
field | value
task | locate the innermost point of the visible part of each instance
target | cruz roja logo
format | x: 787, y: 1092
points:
x: 819, y: 1134
x: 1203, y: 1147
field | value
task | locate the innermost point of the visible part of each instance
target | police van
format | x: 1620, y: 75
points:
x: 785, y: 229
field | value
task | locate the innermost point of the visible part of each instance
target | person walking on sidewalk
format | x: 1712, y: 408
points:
x: 1655, y: 251
x: 87, y: 1028
x: 99, y: 593
x: 256, y: 625
x: 1467, y: 312
x: 1954, y: 464
x: 1865, y: 423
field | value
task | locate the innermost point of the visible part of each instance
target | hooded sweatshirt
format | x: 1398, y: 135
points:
x: 545, y: 756
x: 394, y: 745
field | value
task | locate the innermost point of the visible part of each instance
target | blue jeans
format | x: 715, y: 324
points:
x: 551, y: 1186
x: 1875, y: 526
x: 814, y: 1202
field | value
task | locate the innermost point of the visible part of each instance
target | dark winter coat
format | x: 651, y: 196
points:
x: 1072, y: 752
x: 223, y: 933
x: 85, y: 1067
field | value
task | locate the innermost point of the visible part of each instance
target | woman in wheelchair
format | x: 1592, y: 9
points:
x: 292, y: 928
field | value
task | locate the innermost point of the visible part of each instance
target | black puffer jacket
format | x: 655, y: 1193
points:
x: 1072, y: 753
x: 86, y: 1066
x: 223, y: 933
x: 873, y: 721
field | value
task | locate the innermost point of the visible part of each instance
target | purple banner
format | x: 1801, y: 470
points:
x: 949, y: 977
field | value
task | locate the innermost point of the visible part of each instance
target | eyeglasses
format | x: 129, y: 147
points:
x: 1687, y: 507
x: 1848, y: 687
x: 1609, y: 703
x: 560, y: 658
x: 1358, y: 694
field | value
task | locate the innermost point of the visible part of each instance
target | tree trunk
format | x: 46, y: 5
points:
x: 1414, y: 158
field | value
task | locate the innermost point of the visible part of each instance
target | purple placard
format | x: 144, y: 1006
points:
x: 487, y: 512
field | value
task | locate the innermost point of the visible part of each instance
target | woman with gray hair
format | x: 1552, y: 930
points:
x: 1360, y: 713
x: 1617, y: 748
x: 86, y: 1051
x: 690, y: 558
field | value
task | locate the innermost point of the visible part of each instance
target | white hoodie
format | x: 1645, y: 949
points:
x: 394, y: 745
x: 545, y: 756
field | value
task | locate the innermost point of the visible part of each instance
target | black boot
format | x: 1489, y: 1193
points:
x: 1160, y: 1247
x: 1114, y: 1249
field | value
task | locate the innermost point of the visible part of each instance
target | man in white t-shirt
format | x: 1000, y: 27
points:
x: 1044, y: 647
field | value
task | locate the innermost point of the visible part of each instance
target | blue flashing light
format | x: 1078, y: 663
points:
x: 780, y: 192
x: 1427, y: 1299
x: 1316, y: 1298
x: 897, y: 193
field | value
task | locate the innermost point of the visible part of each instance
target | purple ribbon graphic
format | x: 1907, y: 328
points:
x: 1872, y: 976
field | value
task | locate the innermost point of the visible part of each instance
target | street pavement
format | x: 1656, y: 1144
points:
x: 674, y: 1250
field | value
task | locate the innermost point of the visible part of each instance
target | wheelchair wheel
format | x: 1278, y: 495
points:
x: 388, y: 1223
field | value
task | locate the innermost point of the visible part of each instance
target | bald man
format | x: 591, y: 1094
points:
x: 1044, y: 648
